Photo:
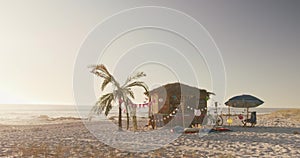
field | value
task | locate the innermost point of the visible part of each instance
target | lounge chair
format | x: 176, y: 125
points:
x: 252, y: 120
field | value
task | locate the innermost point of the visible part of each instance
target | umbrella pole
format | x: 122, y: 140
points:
x: 182, y: 109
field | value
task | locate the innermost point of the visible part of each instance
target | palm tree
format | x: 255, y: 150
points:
x: 120, y: 93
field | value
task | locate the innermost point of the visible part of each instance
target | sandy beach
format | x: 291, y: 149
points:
x: 275, y: 135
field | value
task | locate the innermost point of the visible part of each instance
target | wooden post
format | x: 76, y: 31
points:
x: 247, y: 113
x: 228, y: 115
x: 182, y: 112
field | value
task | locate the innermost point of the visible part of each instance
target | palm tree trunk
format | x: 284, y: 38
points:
x: 134, y: 120
x: 127, y: 114
x: 120, y: 117
x: 134, y: 123
x: 127, y: 120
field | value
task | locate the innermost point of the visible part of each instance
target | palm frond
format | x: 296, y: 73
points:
x: 105, y: 83
x: 147, y: 93
x: 100, y: 70
x: 96, y: 109
x: 100, y: 74
x: 138, y: 84
x: 97, y: 72
x: 129, y: 92
x: 108, y: 106
x: 115, y: 92
x: 134, y: 77
x: 104, y: 103
x: 105, y: 97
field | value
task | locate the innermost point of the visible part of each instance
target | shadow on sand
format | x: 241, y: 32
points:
x: 248, y: 135
x: 261, y: 129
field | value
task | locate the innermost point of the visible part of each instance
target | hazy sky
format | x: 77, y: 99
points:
x: 259, y: 41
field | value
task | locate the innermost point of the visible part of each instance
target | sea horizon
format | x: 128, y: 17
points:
x: 14, y: 113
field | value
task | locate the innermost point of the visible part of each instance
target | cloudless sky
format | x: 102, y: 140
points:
x: 39, y: 39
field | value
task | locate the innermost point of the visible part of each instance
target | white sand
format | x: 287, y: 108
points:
x: 273, y: 136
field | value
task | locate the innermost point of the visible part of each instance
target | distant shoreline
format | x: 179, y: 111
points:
x: 44, y: 119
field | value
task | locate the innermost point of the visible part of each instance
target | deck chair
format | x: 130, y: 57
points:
x: 251, y: 121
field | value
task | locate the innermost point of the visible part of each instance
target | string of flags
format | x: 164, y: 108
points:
x: 173, y: 113
x: 137, y: 105
x: 197, y: 112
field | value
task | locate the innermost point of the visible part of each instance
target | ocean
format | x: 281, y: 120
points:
x: 18, y: 114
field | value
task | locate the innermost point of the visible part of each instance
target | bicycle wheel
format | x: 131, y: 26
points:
x: 219, y: 121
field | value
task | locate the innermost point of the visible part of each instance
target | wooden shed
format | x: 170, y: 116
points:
x: 177, y: 104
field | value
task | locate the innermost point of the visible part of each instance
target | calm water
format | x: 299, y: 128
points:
x: 19, y: 113
x: 11, y: 113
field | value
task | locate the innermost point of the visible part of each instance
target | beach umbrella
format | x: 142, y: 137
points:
x: 243, y: 101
